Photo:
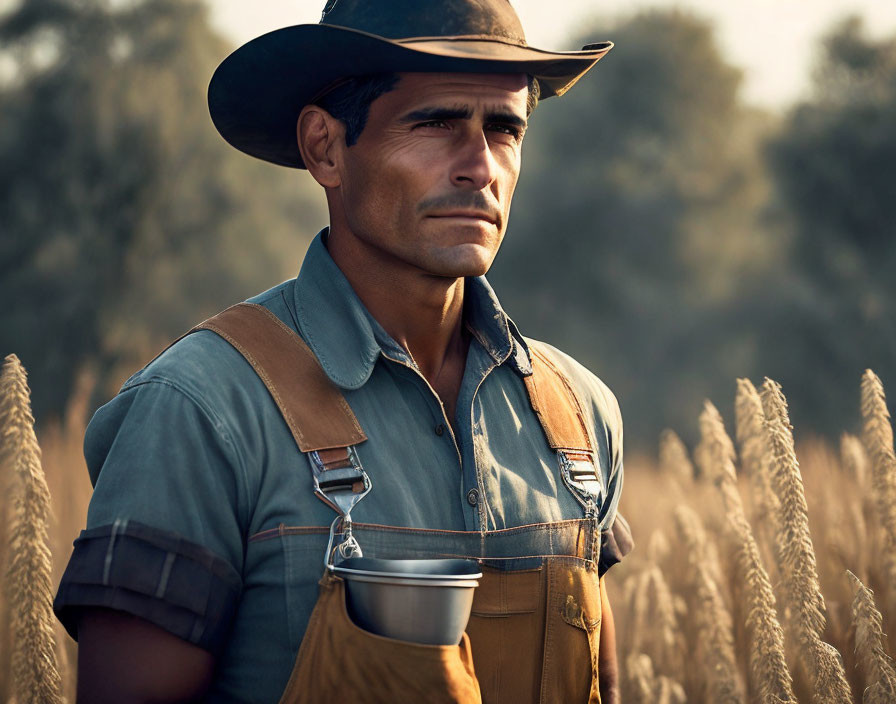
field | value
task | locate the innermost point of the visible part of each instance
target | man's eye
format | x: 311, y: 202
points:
x: 432, y: 123
x: 510, y: 130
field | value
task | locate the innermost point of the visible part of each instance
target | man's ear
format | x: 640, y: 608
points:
x: 321, y: 137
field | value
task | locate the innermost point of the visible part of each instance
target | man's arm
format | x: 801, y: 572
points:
x: 607, y: 666
x: 123, y: 658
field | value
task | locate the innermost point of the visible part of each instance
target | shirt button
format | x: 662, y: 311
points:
x: 440, y: 430
x: 473, y: 497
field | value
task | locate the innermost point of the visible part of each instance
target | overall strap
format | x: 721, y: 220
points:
x: 555, y: 404
x: 563, y: 422
x: 312, y: 406
x: 322, y: 424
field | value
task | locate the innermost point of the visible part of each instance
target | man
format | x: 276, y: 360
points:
x: 197, y: 576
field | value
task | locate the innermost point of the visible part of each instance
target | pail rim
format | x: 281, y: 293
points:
x: 424, y: 572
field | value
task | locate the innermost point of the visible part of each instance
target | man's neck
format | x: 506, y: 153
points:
x: 421, y: 312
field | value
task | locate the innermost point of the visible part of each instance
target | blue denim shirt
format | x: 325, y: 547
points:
x: 203, y: 518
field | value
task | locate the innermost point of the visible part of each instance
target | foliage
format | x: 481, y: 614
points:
x: 635, y: 224
x: 833, y: 162
x: 663, y: 232
x: 119, y: 202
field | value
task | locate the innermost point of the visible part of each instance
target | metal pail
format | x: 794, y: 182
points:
x: 422, y: 601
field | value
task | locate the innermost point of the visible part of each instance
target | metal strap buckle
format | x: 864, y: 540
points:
x: 349, y: 547
x: 583, y: 478
x: 341, y: 486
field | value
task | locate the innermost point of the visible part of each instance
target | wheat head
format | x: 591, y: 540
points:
x: 715, y: 636
x: 769, y: 675
x: 796, y: 555
x: 639, y: 678
x: 877, y: 435
x: 35, y: 675
x: 756, y: 457
x: 674, y: 460
x: 868, y: 623
x: 854, y: 459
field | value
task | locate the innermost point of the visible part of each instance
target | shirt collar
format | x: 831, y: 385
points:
x: 347, y: 340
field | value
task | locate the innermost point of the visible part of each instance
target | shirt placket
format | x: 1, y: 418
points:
x: 479, y: 364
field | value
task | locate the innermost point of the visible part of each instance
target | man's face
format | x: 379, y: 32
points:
x: 430, y: 180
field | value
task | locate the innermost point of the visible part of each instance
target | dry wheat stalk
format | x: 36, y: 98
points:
x: 635, y: 589
x: 755, y: 459
x: 877, y: 435
x: 656, y: 632
x: 796, y: 555
x: 674, y: 460
x: 868, y: 624
x: 854, y: 459
x: 769, y: 675
x: 640, y: 678
x: 658, y: 548
x: 855, y: 463
x: 645, y: 687
x: 715, y: 637
x: 669, y: 692
x: 34, y: 670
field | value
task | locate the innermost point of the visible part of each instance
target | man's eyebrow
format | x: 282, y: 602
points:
x: 427, y: 114
x: 508, y: 118
x: 462, y: 113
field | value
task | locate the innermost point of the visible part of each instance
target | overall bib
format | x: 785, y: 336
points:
x: 534, y: 631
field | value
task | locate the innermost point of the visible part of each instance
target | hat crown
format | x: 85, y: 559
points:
x: 402, y: 19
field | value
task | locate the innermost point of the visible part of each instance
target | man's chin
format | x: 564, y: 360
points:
x: 462, y: 261
x: 461, y: 267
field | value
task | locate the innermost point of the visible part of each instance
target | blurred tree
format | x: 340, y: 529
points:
x: 125, y: 217
x: 834, y: 163
x: 635, y: 225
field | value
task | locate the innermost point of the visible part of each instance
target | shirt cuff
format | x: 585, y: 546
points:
x: 154, y: 574
x: 615, y: 543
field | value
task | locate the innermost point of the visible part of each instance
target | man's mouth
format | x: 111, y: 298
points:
x: 466, y: 215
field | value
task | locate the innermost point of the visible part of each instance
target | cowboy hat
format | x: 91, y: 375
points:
x: 257, y: 93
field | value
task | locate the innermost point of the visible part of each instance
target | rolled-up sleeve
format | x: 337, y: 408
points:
x: 615, y: 543
x: 154, y: 574
x: 164, y: 537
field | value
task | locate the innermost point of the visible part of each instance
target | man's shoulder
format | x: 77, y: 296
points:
x: 587, y: 386
x: 204, y: 365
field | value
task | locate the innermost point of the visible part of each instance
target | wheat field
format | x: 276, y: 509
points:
x: 763, y: 573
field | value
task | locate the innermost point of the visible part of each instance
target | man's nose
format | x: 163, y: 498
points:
x: 475, y: 167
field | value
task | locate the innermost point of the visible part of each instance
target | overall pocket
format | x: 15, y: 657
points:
x: 572, y: 634
x: 338, y: 661
x: 535, y: 633
x: 506, y: 631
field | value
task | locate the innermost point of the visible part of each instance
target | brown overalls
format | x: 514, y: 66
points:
x: 535, y: 628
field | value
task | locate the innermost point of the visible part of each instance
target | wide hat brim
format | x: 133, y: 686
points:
x: 256, y: 94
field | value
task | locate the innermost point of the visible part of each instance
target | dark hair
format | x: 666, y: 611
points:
x: 349, y: 100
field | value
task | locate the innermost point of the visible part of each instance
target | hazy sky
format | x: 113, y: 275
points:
x: 771, y: 40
